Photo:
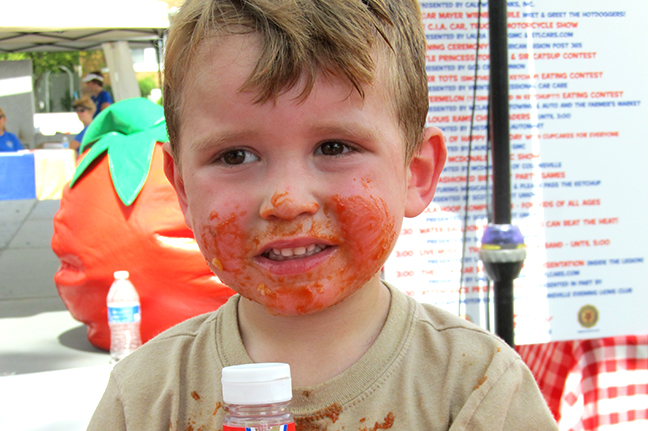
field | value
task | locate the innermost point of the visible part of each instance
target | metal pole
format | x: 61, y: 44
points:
x: 499, y: 129
x: 504, y: 311
x: 158, y: 54
x: 47, y: 92
x: 71, y: 79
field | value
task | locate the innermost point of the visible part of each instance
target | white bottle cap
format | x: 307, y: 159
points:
x: 262, y: 383
x: 121, y: 275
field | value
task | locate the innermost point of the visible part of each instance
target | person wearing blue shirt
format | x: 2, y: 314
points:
x: 8, y: 141
x: 101, y: 98
x: 85, y: 110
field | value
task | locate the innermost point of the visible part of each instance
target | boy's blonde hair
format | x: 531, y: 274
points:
x: 302, y: 38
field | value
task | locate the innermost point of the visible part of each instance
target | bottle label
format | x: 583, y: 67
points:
x: 285, y: 427
x: 124, y: 313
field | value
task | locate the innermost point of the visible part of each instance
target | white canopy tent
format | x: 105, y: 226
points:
x: 79, y: 25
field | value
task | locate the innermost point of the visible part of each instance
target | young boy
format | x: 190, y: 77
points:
x: 297, y: 145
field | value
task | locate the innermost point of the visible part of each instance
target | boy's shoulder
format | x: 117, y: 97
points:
x: 449, y: 336
x: 153, y: 385
x: 444, y: 321
x: 440, y: 320
x: 190, y: 340
x: 190, y: 328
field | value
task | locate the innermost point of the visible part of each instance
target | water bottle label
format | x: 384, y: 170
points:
x: 285, y: 427
x: 124, y: 314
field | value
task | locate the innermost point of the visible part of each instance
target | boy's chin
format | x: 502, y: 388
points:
x: 299, y: 301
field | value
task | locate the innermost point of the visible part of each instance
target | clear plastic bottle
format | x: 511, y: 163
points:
x: 257, y: 397
x: 123, y: 317
x: 65, y: 143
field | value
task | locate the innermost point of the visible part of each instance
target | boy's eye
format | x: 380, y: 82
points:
x: 333, y: 148
x: 237, y: 157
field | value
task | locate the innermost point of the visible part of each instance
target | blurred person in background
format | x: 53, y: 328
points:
x: 85, y: 110
x: 8, y: 141
x: 94, y: 83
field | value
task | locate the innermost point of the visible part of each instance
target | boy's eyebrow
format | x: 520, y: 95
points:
x: 220, y: 139
x: 354, y: 131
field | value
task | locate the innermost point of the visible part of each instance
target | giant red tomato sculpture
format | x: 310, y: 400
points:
x: 96, y: 233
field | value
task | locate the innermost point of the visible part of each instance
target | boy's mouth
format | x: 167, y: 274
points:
x: 281, y: 254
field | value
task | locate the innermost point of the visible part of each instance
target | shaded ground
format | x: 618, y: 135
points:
x: 36, y: 331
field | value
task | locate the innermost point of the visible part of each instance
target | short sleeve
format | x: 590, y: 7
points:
x: 18, y: 144
x: 79, y: 137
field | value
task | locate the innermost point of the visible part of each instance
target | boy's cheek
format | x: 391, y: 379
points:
x: 367, y: 226
x: 223, y: 242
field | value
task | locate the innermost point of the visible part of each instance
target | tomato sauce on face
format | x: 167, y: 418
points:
x: 283, y: 205
x: 361, y: 228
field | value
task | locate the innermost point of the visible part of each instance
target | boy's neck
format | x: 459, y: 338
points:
x: 317, y: 346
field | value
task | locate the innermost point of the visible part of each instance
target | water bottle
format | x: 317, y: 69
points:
x: 65, y: 143
x: 257, y: 397
x: 123, y: 317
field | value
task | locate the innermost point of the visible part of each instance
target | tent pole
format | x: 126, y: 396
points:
x: 158, y: 42
x: 499, y: 129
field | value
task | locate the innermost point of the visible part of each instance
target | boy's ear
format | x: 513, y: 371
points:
x: 173, y: 175
x: 424, y: 171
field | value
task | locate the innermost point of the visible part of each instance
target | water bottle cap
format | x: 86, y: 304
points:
x: 261, y: 383
x: 121, y: 275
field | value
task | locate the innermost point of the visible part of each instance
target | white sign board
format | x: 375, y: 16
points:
x: 578, y: 118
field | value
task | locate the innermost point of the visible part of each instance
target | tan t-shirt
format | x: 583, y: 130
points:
x: 427, y: 370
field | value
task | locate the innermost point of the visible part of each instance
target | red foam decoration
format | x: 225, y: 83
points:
x: 95, y: 234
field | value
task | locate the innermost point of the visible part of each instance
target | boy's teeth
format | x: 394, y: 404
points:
x: 293, y: 253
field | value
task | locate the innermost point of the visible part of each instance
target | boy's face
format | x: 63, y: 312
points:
x: 295, y: 205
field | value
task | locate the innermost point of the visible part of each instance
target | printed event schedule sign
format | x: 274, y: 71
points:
x: 578, y: 108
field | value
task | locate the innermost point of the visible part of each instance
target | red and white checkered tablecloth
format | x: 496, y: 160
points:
x: 593, y: 385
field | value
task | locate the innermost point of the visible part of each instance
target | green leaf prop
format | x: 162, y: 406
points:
x: 128, y: 130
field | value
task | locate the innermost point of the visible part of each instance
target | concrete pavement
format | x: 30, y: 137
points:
x: 37, y: 333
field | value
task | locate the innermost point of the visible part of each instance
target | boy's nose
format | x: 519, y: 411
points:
x: 287, y: 206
